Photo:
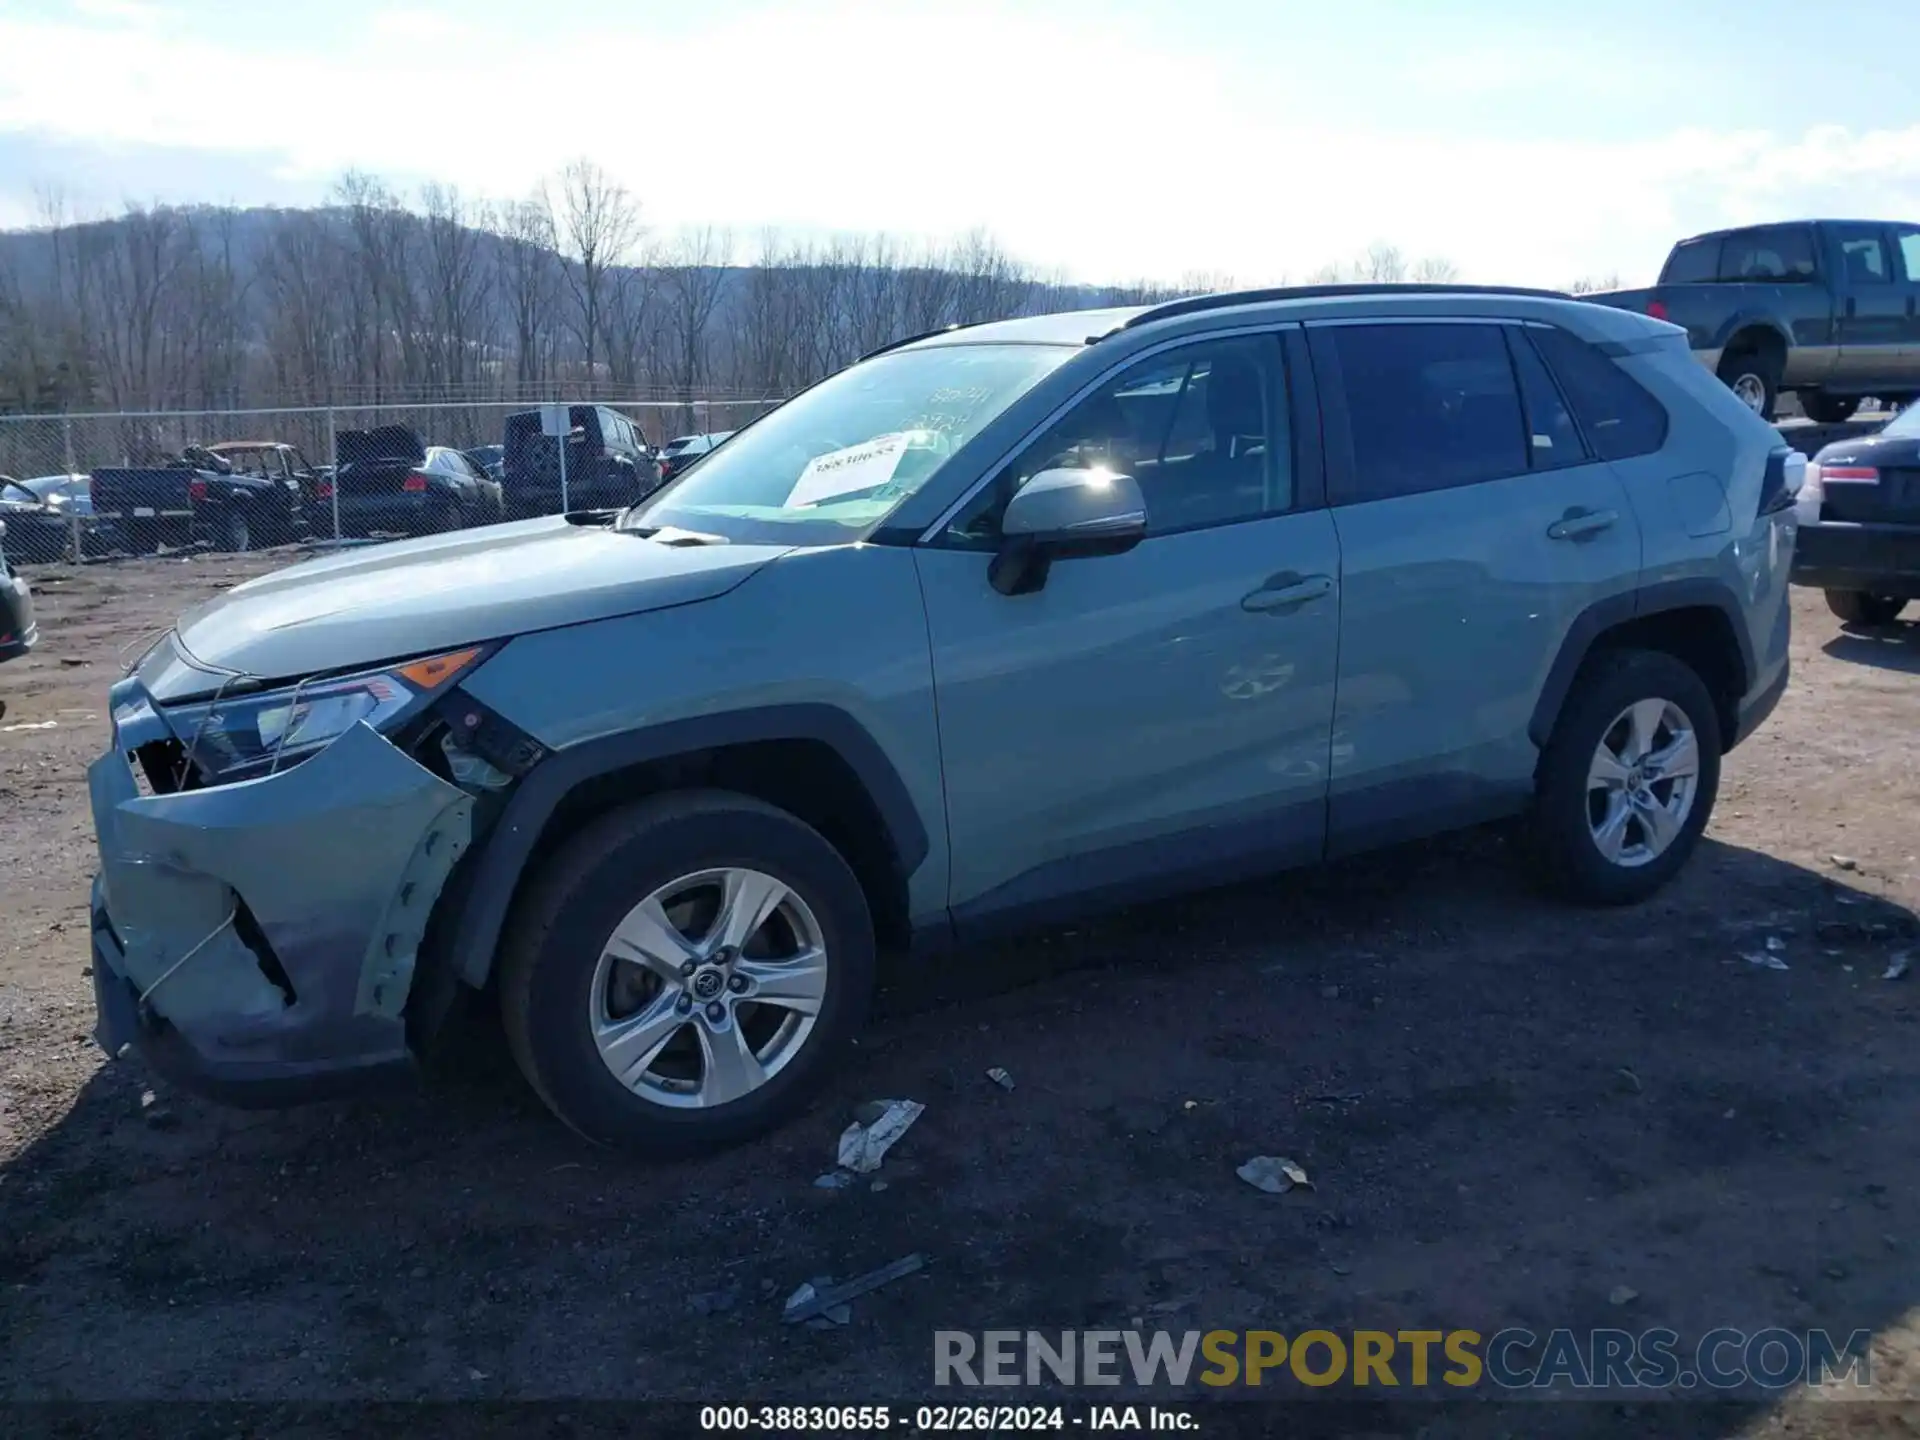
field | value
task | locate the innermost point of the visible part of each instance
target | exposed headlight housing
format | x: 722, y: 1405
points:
x: 241, y: 736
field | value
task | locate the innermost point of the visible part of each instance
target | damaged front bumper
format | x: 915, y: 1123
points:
x: 257, y: 940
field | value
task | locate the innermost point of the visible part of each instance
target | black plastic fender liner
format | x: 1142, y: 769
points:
x: 1604, y: 615
x: 502, y: 856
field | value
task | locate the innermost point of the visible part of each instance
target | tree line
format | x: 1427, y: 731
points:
x: 379, y: 297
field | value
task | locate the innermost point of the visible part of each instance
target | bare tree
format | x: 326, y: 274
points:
x: 457, y: 285
x: 692, y: 285
x: 598, y: 224
x: 1434, y: 270
x: 1594, y: 284
x: 527, y: 276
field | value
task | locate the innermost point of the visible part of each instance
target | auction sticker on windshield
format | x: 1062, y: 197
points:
x: 842, y: 472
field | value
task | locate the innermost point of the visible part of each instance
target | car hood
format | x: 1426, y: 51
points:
x: 413, y: 597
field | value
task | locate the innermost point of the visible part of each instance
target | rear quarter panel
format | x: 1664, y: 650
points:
x: 1714, y: 442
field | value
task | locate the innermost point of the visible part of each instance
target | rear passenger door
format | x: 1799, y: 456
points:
x: 1475, y: 523
x: 1906, y: 256
x: 1870, y: 310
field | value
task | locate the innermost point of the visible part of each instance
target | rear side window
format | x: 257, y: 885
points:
x: 1782, y: 252
x: 1620, y: 419
x: 1429, y: 407
x: 1863, y: 254
x: 1691, y: 262
x: 1553, y: 440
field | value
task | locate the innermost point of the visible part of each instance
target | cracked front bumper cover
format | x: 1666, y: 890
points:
x: 257, y: 940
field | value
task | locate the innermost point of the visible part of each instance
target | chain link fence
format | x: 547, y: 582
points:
x: 95, y: 487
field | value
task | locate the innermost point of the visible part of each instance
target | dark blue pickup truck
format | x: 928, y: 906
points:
x: 1829, y: 309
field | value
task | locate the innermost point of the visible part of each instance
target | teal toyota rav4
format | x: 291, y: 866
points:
x: 996, y: 624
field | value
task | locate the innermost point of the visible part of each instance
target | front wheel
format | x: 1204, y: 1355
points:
x: 685, y: 971
x: 1628, y: 779
x: 1862, y: 607
x: 1828, y: 409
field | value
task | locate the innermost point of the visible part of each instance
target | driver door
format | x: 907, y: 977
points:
x: 1150, y: 720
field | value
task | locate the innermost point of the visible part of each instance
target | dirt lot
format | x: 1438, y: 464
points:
x: 1508, y: 1110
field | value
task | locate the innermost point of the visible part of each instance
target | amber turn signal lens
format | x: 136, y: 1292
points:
x: 434, y: 671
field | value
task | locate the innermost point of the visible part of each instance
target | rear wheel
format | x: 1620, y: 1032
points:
x: 1628, y: 780
x: 1754, y: 378
x: 235, y: 534
x: 1862, y: 607
x: 684, y: 972
x: 1828, y: 409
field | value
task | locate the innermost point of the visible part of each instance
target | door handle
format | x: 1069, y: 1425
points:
x: 1285, y: 591
x: 1579, y: 524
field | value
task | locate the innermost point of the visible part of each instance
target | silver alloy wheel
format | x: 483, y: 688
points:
x: 708, y: 988
x: 1751, y: 390
x: 1642, y: 782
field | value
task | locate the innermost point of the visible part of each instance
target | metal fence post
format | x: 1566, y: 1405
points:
x: 333, y: 462
x: 73, y: 515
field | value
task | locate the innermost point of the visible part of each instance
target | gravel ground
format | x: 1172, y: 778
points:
x: 1509, y: 1111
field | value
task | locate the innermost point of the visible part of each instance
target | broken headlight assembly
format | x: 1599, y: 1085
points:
x: 240, y: 736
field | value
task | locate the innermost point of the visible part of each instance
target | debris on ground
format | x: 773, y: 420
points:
x: 1775, y: 944
x: 820, y: 1298
x: 864, y: 1144
x: 154, y: 1113
x: 1844, y: 862
x: 715, y: 1302
x: 833, y: 1180
x: 1764, y: 961
x: 877, y: 1186
x: 1622, y: 1295
x: 1000, y: 1077
x: 1274, y: 1174
x: 1632, y: 1079
x: 1898, y: 965
x: 27, y: 725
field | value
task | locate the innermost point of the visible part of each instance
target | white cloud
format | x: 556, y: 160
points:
x: 862, y: 117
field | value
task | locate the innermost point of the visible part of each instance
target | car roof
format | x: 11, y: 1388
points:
x: 1085, y: 327
x: 1780, y: 225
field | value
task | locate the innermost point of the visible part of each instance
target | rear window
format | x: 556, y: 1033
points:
x: 1757, y: 256
x: 1692, y: 262
x: 1620, y: 419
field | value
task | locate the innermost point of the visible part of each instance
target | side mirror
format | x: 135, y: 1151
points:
x: 1065, y: 515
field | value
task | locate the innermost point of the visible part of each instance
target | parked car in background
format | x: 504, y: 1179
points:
x: 492, y: 459
x: 44, y: 514
x: 18, y: 633
x: 273, y: 460
x: 1860, y: 523
x: 391, y: 482
x: 608, y: 462
x: 998, y: 624
x: 676, y: 455
x: 1829, y: 309
x: 198, y: 498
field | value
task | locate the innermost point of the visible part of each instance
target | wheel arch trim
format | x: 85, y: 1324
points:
x: 1615, y: 610
x: 502, y: 856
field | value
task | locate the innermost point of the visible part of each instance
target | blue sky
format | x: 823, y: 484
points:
x: 1530, y: 141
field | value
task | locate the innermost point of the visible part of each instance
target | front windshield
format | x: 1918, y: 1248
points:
x: 829, y: 465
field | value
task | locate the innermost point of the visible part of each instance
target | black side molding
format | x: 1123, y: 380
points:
x: 502, y: 855
x: 1603, y: 615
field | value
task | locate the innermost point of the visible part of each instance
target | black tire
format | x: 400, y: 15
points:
x: 1753, y: 368
x: 442, y: 519
x: 560, y: 927
x: 1566, y: 851
x: 1862, y: 607
x: 1828, y: 409
x: 235, y: 534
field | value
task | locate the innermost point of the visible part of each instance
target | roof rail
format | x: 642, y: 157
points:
x: 910, y: 339
x: 1195, y: 303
